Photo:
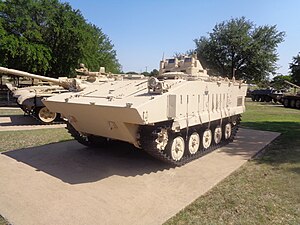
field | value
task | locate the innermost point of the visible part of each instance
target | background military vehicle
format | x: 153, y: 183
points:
x: 266, y: 95
x: 30, y: 98
x: 292, y: 100
x: 176, y: 117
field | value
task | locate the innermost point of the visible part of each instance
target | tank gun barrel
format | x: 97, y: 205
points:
x: 19, y: 73
x: 294, y: 85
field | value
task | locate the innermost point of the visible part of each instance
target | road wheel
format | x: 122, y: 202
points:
x: 268, y: 99
x: 193, y: 143
x: 218, y: 135
x: 176, y: 148
x: 45, y: 115
x: 227, y: 131
x: 206, y: 139
x: 293, y: 103
x: 286, y: 103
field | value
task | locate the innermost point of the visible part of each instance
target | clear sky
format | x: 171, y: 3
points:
x: 143, y: 30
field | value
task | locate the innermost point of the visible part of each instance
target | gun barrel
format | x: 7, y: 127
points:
x: 294, y: 85
x: 5, y: 70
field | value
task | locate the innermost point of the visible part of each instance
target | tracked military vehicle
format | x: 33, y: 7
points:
x: 292, y: 100
x: 30, y: 98
x: 266, y: 95
x: 176, y: 117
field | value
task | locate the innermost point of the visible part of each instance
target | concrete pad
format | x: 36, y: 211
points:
x: 21, y: 122
x: 67, y: 183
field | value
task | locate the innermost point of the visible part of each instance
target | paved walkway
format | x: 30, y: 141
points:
x: 66, y: 183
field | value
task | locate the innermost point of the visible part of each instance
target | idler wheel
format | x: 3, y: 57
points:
x: 45, y: 115
x: 206, y: 139
x: 193, y: 143
x: 218, y: 135
x: 176, y: 148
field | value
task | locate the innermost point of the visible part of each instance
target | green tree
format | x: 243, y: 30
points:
x: 131, y: 72
x: 278, y: 81
x: 154, y: 72
x: 239, y: 47
x: 147, y: 74
x: 295, y: 69
x: 49, y: 37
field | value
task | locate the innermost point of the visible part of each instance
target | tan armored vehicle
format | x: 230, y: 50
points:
x: 30, y: 98
x: 176, y: 117
x: 291, y: 100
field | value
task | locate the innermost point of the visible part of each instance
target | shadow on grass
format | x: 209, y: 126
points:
x: 14, y: 120
x: 74, y: 163
x: 292, y: 128
x: 285, y: 149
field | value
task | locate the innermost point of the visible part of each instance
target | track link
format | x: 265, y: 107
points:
x: 87, y: 140
x: 149, y: 134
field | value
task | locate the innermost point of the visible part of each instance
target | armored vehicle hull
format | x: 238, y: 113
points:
x: 176, y: 117
x: 291, y: 101
x: 191, y: 118
x: 266, y: 95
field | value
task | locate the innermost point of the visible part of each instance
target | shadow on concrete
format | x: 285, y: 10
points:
x: 248, y: 143
x: 74, y: 163
x: 16, y: 120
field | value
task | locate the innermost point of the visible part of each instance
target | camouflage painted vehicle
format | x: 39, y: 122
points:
x: 176, y: 117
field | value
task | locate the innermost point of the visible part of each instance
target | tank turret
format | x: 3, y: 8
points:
x: 176, y: 117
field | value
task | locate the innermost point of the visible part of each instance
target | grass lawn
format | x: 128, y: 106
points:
x: 11, y: 111
x: 26, y: 139
x: 263, y: 191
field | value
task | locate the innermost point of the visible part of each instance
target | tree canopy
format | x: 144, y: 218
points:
x: 295, y: 69
x: 278, y: 81
x: 239, y: 47
x: 51, y: 38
